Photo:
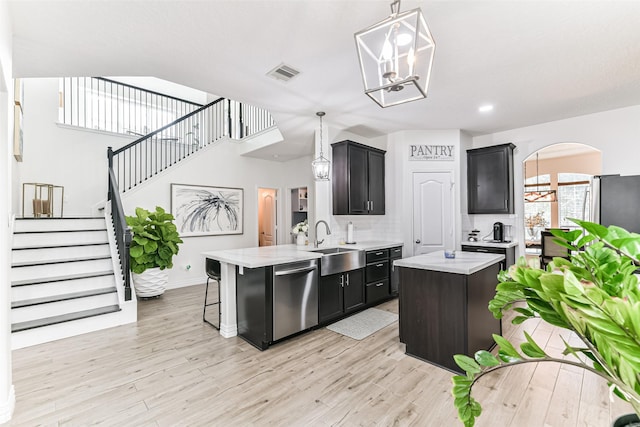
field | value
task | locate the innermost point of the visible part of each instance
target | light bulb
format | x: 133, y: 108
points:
x: 411, y: 59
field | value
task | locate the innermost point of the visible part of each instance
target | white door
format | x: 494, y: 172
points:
x: 432, y: 212
x: 267, y: 217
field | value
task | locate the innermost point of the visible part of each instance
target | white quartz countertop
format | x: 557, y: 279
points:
x: 490, y: 244
x: 463, y: 263
x: 283, y: 254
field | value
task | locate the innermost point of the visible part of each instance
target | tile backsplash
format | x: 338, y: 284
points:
x: 484, y: 223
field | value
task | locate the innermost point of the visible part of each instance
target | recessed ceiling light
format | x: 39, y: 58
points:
x: 485, y: 108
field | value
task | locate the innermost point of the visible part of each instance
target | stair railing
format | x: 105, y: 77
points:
x: 151, y: 154
x: 122, y: 231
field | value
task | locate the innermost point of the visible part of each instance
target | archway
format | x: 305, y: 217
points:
x: 557, y: 187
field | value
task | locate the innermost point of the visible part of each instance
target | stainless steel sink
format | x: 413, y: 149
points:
x: 339, y: 260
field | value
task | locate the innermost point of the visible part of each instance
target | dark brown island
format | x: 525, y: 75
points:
x: 444, y: 305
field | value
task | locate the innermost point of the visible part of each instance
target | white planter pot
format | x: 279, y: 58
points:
x: 151, y: 282
x: 301, y: 239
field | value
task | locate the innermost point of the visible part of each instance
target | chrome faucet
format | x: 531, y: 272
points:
x: 317, y: 242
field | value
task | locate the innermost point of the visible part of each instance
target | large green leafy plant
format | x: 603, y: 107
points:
x: 155, y: 240
x: 595, y: 295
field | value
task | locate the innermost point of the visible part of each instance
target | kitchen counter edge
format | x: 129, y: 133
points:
x: 283, y: 254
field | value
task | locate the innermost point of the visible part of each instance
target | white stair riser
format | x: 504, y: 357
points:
x: 55, y: 239
x: 21, y: 293
x: 49, y: 333
x: 53, y: 254
x: 63, y: 269
x: 40, y: 311
x: 59, y: 224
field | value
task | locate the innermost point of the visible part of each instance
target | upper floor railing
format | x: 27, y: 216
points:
x: 107, y: 105
x: 102, y: 104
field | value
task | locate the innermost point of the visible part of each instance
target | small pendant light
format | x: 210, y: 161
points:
x: 321, y: 166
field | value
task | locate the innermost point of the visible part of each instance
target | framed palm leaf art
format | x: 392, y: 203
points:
x: 201, y: 210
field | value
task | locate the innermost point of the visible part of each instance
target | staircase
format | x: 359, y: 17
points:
x: 63, y: 281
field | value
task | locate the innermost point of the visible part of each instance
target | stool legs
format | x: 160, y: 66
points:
x: 204, y: 310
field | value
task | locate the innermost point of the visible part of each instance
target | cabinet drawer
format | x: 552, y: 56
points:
x: 395, y: 252
x: 484, y: 249
x: 373, y: 256
x: 377, y: 291
x: 377, y: 271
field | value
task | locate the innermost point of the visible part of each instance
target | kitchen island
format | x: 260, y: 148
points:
x: 234, y: 262
x: 443, y: 305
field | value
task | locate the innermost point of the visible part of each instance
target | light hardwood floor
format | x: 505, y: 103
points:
x: 171, y: 369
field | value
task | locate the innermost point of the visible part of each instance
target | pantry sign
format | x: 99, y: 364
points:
x: 431, y: 152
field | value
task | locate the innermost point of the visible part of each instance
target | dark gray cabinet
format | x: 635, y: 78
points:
x: 509, y: 253
x: 490, y: 180
x: 394, y: 272
x: 377, y: 276
x: 339, y: 294
x: 442, y: 314
x: 358, y: 179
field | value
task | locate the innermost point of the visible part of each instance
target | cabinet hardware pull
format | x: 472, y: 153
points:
x: 379, y: 284
x: 342, y: 281
x: 372, y: 205
x: 379, y: 265
x: 378, y: 253
x: 347, y: 279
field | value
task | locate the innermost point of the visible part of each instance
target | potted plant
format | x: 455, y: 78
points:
x: 595, y: 295
x: 300, y: 231
x: 155, y: 242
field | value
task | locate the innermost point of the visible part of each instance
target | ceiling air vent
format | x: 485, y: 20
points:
x: 283, y: 72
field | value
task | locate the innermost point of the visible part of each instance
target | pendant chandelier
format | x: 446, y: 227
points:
x: 321, y: 166
x: 537, y: 195
x: 395, y: 56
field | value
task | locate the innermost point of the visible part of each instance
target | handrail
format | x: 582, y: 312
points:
x: 122, y: 231
x: 151, y: 154
x: 153, y: 92
x: 163, y: 128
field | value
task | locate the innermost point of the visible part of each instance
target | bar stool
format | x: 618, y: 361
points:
x: 213, y: 272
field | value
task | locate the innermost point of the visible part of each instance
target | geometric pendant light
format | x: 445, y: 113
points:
x: 396, y: 56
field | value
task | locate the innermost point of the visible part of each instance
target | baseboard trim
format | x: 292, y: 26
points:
x: 6, y: 408
x: 229, y: 330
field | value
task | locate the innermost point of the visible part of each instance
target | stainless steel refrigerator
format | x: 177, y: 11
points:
x: 615, y: 200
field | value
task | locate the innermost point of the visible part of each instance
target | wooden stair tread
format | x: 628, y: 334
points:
x: 61, y: 278
x: 31, y: 324
x: 60, y: 261
x: 63, y: 297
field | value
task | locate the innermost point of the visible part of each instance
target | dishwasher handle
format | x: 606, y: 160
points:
x: 295, y: 271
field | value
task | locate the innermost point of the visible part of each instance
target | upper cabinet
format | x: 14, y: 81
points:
x: 358, y: 179
x: 490, y: 180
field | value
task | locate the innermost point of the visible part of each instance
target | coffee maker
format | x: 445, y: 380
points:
x: 498, y: 232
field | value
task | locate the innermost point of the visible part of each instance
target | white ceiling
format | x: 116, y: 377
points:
x: 536, y: 61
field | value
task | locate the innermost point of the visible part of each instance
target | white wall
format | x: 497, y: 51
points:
x: 7, y: 394
x: 403, y: 170
x: 615, y: 133
x: 77, y: 160
x: 61, y: 155
x: 221, y: 166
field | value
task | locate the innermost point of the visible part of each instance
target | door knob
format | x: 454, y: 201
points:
x: 418, y: 241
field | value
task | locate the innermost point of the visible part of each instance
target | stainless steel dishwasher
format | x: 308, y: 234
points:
x: 295, y: 298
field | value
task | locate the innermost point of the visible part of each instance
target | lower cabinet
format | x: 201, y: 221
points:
x: 509, y: 253
x: 339, y: 294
